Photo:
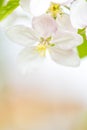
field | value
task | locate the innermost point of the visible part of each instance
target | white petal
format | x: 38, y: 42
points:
x: 62, y: 1
x: 67, y: 58
x: 66, y: 40
x: 64, y: 23
x: 22, y: 35
x: 29, y: 59
x: 45, y: 25
x: 36, y: 7
x: 79, y: 14
x: 25, y: 5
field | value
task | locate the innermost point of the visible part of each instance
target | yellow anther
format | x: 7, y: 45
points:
x: 54, y: 9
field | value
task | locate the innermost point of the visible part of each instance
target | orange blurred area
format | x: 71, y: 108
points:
x: 21, y: 112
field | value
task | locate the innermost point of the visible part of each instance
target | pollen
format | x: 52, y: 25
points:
x: 43, y: 45
x: 41, y: 49
x: 54, y: 9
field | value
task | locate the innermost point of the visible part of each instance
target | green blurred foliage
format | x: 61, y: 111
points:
x: 1, y: 2
x: 82, y: 49
x: 7, y: 9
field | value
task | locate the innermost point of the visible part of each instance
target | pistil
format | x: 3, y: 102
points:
x: 43, y: 45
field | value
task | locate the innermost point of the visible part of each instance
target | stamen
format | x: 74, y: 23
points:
x: 43, y: 45
x: 54, y: 10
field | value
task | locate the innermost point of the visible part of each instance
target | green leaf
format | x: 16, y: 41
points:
x: 82, y: 49
x: 8, y: 8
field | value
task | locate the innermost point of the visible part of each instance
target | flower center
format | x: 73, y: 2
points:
x: 54, y: 10
x: 43, y: 45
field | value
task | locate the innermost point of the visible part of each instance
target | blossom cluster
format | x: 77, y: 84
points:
x: 53, y: 31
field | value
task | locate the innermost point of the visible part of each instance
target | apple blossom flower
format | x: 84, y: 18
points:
x: 56, y: 37
x: 78, y: 14
x: 38, y: 7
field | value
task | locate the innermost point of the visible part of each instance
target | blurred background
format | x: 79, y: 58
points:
x: 52, y: 97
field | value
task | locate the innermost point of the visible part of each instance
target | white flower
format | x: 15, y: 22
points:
x: 47, y: 35
x: 38, y: 7
x: 79, y: 14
